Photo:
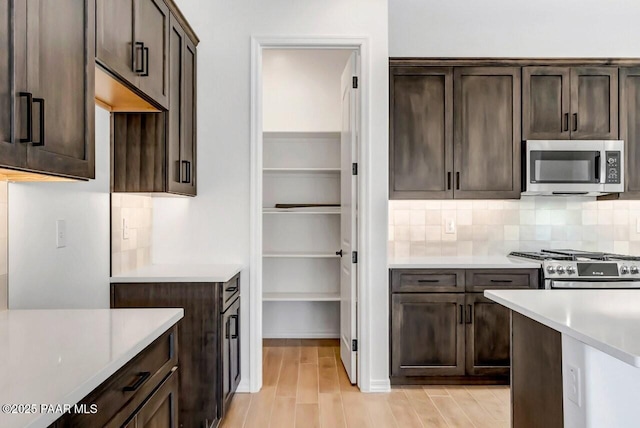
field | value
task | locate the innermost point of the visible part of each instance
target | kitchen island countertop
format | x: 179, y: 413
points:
x: 606, y: 320
x: 52, y: 357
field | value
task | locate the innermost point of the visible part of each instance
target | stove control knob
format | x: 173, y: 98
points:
x: 634, y: 270
x: 551, y: 269
x: 570, y: 270
x: 624, y: 270
x: 560, y: 270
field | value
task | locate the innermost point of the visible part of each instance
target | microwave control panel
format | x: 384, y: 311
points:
x: 613, y: 168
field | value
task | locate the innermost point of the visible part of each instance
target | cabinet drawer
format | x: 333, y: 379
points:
x: 480, y: 280
x: 427, y: 281
x: 119, y: 396
x: 230, y: 290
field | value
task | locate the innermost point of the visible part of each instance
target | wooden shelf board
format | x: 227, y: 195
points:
x: 305, y: 170
x: 300, y: 297
x: 301, y: 255
x: 309, y: 210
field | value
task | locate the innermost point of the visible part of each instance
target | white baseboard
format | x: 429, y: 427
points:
x: 379, y: 385
x: 244, y: 386
x: 319, y: 335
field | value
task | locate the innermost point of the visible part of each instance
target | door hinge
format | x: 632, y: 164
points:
x: 354, y: 257
x: 354, y: 169
x: 354, y: 345
x: 355, y: 82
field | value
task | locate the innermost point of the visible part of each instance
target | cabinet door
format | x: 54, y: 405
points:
x: 161, y: 409
x: 181, y: 141
x: 235, y: 347
x: 630, y: 129
x: 61, y: 74
x: 594, y: 103
x: 487, y: 132
x: 487, y: 337
x: 12, y: 150
x: 421, y: 133
x: 546, y: 105
x: 115, y: 47
x: 152, y: 30
x: 427, y: 334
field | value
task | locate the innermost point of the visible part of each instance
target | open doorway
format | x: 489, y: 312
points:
x: 307, y: 234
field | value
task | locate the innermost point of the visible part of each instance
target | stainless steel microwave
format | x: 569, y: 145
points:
x: 573, y: 167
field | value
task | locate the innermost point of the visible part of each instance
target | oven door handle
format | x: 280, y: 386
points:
x: 593, y: 284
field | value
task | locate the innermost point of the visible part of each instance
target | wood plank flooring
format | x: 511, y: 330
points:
x: 305, y: 385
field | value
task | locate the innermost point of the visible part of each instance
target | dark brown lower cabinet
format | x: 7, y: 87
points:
x: 143, y: 393
x: 487, y: 337
x: 160, y: 410
x: 451, y: 337
x: 427, y: 334
x: 204, y: 346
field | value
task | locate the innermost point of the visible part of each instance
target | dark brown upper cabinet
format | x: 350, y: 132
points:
x: 487, y: 132
x: 47, y: 114
x: 546, y: 94
x: 421, y: 133
x: 563, y: 103
x: 630, y: 129
x: 133, y: 42
x: 181, y: 138
x: 444, y: 140
x: 156, y: 152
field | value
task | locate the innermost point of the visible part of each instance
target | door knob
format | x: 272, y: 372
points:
x: 339, y: 253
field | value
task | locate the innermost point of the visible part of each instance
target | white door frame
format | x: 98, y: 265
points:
x: 258, y: 44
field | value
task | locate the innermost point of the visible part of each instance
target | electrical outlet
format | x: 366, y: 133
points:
x: 638, y: 225
x: 573, y: 384
x: 125, y: 228
x: 61, y: 233
x: 449, y: 226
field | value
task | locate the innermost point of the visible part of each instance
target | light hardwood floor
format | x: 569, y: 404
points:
x: 305, y: 385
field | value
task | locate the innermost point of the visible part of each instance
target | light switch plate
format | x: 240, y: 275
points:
x: 125, y: 228
x: 61, y: 233
x: 450, y: 226
x: 573, y: 384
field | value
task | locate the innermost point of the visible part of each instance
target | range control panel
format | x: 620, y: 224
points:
x: 613, y: 167
x: 588, y: 269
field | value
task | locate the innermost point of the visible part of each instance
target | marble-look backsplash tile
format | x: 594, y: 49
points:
x: 134, y: 252
x: 496, y: 227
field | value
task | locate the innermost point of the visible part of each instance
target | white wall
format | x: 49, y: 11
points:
x: 608, y: 388
x: 541, y: 28
x: 214, y: 226
x: 301, y: 90
x: 42, y: 276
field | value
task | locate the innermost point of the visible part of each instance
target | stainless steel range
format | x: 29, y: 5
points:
x: 575, y: 269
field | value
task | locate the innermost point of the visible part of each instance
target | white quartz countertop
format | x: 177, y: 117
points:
x: 608, y: 320
x: 51, y: 357
x: 179, y: 273
x: 462, y: 262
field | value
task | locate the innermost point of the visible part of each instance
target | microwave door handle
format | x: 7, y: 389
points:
x: 599, y: 168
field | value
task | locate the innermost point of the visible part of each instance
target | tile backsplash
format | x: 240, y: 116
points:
x: 496, y: 227
x: 135, y: 251
x: 4, y: 249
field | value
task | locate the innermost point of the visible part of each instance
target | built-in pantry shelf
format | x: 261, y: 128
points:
x: 302, y: 170
x: 301, y: 255
x: 301, y: 297
x: 302, y: 210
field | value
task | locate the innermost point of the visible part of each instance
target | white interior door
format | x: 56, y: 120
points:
x: 348, y: 219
